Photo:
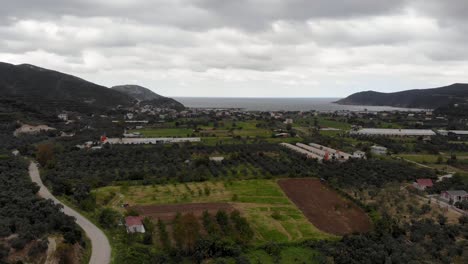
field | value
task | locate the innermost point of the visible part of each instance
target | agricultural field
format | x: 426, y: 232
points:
x: 270, y: 213
x: 325, y: 208
x: 165, y: 132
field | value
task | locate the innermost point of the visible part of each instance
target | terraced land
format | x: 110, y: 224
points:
x: 270, y: 213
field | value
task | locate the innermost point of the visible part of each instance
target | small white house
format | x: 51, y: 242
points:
x: 63, y: 117
x: 134, y: 224
x: 378, y: 150
x: 217, y: 159
x: 454, y: 196
x: 359, y: 154
x: 288, y: 121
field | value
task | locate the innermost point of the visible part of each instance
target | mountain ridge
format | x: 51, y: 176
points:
x: 52, y: 91
x: 147, y: 96
x: 415, y: 98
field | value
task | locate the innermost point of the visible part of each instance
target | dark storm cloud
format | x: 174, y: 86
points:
x: 201, y: 14
x: 218, y: 43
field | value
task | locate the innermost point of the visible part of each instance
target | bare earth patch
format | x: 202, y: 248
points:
x: 167, y: 212
x: 324, y: 208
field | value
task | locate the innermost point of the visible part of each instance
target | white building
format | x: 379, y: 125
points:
x: 217, y: 159
x: 288, y: 121
x: 393, y: 132
x: 161, y: 140
x: 134, y: 224
x: 359, y: 154
x: 378, y: 150
x: 63, y: 117
x: 302, y: 151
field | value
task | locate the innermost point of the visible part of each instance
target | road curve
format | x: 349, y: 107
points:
x: 101, y: 250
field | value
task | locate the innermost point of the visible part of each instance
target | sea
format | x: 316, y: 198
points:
x: 281, y: 104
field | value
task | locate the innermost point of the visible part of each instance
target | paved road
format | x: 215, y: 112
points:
x: 100, y: 245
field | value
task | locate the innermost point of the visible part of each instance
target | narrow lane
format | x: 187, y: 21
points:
x: 101, y: 250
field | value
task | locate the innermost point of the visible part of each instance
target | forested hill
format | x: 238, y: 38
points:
x: 146, y: 96
x: 418, y: 98
x: 46, y: 89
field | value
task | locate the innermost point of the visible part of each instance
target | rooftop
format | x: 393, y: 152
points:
x: 396, y: 132
x: 457, y: 193
x: 133, y: 220
x: 424, y: 182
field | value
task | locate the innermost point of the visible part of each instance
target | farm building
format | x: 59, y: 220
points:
x: 306, y: 153
x: 454, y: 196
x: 217, y: 159
x: 458, y: 133
x: 161, y: 140
x: 335, y: 154
x: 359, y: 154
x: 378, y: 150
x: 134, y: 224
x: 422, y: 184
x: 393, y: 132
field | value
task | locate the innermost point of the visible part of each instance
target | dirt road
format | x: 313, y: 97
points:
x: 100, y: 245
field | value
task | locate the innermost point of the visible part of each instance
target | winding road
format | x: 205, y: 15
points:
x: 101, y: 250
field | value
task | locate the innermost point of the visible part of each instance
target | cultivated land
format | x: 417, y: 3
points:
x: 270, y: 213
x: 167, y: 212
x: 325, y: 208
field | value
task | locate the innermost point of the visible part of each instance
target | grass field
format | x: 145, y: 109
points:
x: 422, y: 158
x: 164, y: 132
x: 262, y: 202
x: 209, y: 133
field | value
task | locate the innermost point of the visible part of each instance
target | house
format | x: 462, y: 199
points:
x: 217, y: 159
x: 63, y: 117
x: 378, y: 150
x: 422, y: 184
x: 359, y: 154
x: 288, y: 121
x: 134, y: 224
x: 454, y: 196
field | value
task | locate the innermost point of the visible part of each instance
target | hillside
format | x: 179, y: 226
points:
x: 417, y: 98
x: 146, y: 96
x: 52, y: 90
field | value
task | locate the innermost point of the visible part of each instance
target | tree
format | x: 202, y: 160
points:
x: 191, y: 229
x: 45, y: 153
x: 108, y: 218
x: 163, y: 235
x: 223, y: 221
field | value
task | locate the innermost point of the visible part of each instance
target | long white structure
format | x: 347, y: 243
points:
x: 306, y: 153
x: 336, y: 154
x: 455, y: 132
x: 161, y: 140
x: 393, y: 132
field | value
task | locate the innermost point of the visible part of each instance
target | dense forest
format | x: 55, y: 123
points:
x: 424, y: 241
x: 25, y: 218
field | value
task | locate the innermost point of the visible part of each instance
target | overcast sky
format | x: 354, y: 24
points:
x: 243, y: 48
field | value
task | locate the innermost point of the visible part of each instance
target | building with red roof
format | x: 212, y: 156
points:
x: 134, y: 224
x: 422, y: 184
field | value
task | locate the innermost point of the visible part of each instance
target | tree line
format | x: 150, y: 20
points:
x: 26, y: 216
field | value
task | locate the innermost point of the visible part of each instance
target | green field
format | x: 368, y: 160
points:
x: 422, y: 158
x: 164, y: 132
x: 262, y: 202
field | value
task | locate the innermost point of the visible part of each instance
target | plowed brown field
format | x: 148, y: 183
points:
x: 324, y: 208
x: 168, y: 212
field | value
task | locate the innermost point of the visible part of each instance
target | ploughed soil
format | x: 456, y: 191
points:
x: 325, y: 208
x: 167, y: 212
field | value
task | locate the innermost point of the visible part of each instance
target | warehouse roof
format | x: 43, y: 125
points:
x: 394, y: 132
